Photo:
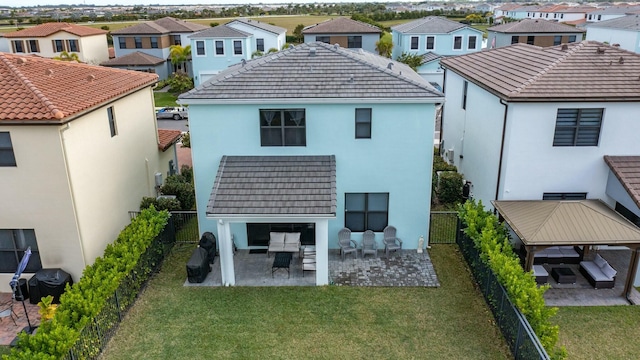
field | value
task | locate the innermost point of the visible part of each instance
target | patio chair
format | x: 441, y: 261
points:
x: 391, y: 242
x: 369, y: 245
x: 6, y: 310
x: 347, y: 245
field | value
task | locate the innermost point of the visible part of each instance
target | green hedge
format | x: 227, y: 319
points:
x: 85, y: 299
x: 492, y: 239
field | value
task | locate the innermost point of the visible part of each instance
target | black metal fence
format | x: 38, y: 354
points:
x: 443, y: 226
x: 97, y: 333
x: 186, y: 225
x: 522, y: 341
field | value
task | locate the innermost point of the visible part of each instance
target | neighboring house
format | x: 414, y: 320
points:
x: 520, y: 123
x: 155, y: 38
x: 612, y: 12
x: 78, y: 150
x: 345, y: 32
x: 167, y: 144
x: 4, y: 44
x: 140, y: 61
x: 266, y: 36
x: 340, y: 143
x: 217, y: 48
x: 624, y: 31
x: 483, y: 8
x: 533, y: 32
x: 436, y: 35
x: 51, y: 39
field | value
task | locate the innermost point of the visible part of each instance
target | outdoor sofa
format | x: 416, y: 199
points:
x: 565, y: 254
x: 284, y: 242
x: 599, y: 273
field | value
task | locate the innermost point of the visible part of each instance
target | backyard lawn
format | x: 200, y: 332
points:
x: 163, y: 99
x: 170, y: 321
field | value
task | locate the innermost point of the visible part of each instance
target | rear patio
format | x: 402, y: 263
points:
x: 9, y: 330
x: 404, y: 268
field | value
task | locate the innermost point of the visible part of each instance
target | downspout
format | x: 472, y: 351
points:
x: 504, y: 129
x: 444, y: 82
x: 71, y: 190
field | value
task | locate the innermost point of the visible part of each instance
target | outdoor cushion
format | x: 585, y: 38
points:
x: 539, y: 270
x: 595, y: 271
x: 566, y: 247
x: 553, y: 253
x: 570, y: 252
x: 599, y: 260
x: 276, y: 237
x: 608, y: 271
x: 291, y: 238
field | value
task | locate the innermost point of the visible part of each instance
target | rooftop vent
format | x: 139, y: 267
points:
x: 390, y: 66
x: 564, y: 47
x: 91, y: 78
x: 621, y: 60
x: 290, y: 46
x: 48, y: 72
x: 600, y: 50
x: 22, y: 61
x: 336, y: 46
x: 351, y: 78
x: 244, y: 62
x: 312, y: 52
x: 616, y: 45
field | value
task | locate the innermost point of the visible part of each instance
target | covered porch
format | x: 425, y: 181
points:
x: 591, y: 226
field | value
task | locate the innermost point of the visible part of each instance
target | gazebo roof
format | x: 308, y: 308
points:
x: 583, y: 222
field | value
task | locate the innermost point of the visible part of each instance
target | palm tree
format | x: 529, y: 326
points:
x: 385, y: 45
x: 179, y: 55
x: 65, y: 56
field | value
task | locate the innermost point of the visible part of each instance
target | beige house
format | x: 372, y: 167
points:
x: 79, y: 148
x: 51, y: 39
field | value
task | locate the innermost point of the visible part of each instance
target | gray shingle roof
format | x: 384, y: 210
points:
x: 341, y: 25
x: 221, y: 31
x: 429, y: 25
x: 333, y: 72
x: 585, y: 71
x: 534, y: 26
x: 274, y: 185
x: 136, y: 58
x: 260, y: 25
x: 629, y: 22
x: 430, y: 56
x: 165, y: 25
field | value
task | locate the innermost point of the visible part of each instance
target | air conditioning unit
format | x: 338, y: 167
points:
x: 449, y: 155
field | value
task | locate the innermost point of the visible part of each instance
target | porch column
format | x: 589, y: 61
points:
x: 631, y: 273
x: 322, y: 252
x: 226, y: 253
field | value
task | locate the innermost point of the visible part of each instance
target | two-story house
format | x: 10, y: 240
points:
x: 521, y: 123
x: 51, y: 39
x: 437, y: 35
x: 79, y: 148
x: 612, y: 12
x: 154, y: 38
x: 624, y: 31
x: 266, y: 37
x: 533, y: 32
x: 313, y: 138
x: 345, y: 32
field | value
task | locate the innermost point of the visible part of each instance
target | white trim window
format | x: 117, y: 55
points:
x: 472, y: 42
x: 219, y: 45
x: 457, y: 42
x: 200, y: 48
x: 415, y: 43
x: 237, y: 48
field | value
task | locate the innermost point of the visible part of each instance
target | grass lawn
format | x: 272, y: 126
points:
x: 170, y: 321
x: 600, y: 332
x: 163, y: 99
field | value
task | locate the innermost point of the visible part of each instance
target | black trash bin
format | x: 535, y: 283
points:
x: 198, y: 266
x: 208, y: 242
x: 47, y: 282
x: 22, y: 291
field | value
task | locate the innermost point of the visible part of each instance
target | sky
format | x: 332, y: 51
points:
x: 162, y: 2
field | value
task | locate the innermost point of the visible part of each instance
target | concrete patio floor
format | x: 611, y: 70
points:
x: 404, y: 268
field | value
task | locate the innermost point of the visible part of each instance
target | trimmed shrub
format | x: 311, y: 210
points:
x: 180, y: 82
x: 187, y: 173
x: 183, y: 190
x: 160, y: 203
x: 450, y: 187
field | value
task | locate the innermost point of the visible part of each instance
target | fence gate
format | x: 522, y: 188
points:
x: 442, y: 227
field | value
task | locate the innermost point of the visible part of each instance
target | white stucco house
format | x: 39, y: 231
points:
x: 624, y: 31
x: 266, y: 36
x: 51, y: 39
x: 79, y: 148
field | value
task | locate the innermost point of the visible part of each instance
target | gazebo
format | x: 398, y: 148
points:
x: 543, y: 223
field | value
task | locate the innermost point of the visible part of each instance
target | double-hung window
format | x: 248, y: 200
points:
x: 200, y: 48
x: 578, y: 127
x: 72, y: 45
x: 138, y: 42
x: 363, y: 123
x: 260, y: 45
x: 7, y: 157
x: 471, y: 43
x: 177, y: 40
x: 13, y: 244
x: 515, y: 39
x: 283, y: 127
x: 431, y: 42
x: 557, y: 40
x: 531, y: 40
x: 154, y: 42
x: 18, y: 46
x: 58, y: 45
x: 457, y: 43
x: 219, y: 47
x: 354, y: 42
x: 414, y: 43
x: 572, y: 38
x: 33, y: 46
x: 237, y: 47
x: 123, y: 42
x: 366, y: 211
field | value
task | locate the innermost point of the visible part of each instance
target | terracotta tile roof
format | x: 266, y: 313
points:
x: 627, y: 170
x: 47, y: 29
x: 165, y: 25
x: 534, y: 26
x: 136, y: 58
x: 341, y: 26
x: 36, y: 90
x: 576, y: 22
x: 167, y: 138
x: 585, y: 71
x: 577, y: 9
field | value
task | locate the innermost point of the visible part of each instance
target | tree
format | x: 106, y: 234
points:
x: 179, y: 56
x: 65, y: 56
x: 297, y: 32
x: 474, y: 18
x: 385, y: 45
x: 413, y: 60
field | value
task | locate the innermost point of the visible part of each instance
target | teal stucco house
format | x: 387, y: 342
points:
x: 312, y: 139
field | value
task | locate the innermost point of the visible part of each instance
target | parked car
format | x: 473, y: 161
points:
x: 175, y: 113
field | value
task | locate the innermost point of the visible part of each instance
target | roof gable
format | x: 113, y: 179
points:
x: 221, y: 31
x: 39, y: 90
x: 341, y: 25
x: 167, y: 137
x: 522, y: 72
x: 429, y: 25
x: 534, y: 26
x: 165, y: 25
x: 259, y: 25
x: 315, y: 71
x: 48, y: 29
x: 627, y: 170
x: 629, y: 22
